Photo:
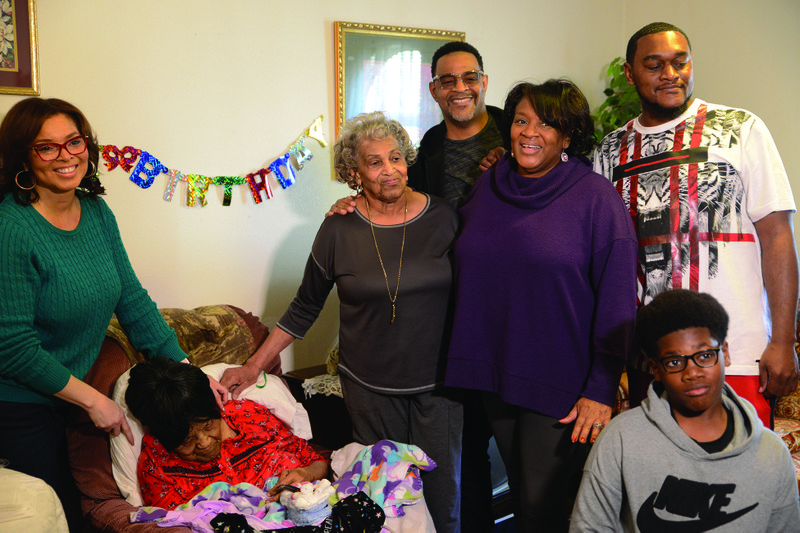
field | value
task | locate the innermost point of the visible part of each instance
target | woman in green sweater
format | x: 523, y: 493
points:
x: 63, y: 272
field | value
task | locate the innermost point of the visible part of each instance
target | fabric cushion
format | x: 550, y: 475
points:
x: 789, y: 406
x: 789, y: 430
x: 29, y: 504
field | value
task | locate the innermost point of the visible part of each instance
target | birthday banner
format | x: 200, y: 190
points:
x: 144, y: 168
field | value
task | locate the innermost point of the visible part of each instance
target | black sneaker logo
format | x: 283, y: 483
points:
x: 701, y: 503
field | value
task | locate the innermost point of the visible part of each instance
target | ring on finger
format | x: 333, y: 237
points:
x: 599, y: 425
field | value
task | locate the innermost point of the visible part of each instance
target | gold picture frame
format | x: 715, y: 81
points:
x: 387, y: 68
x: 19, y: 51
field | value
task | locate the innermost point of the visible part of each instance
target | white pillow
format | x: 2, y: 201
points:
x: 270, y: 392
x: 273, y: 394
x: 125, y: 457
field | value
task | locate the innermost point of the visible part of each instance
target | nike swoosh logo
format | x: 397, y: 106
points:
x: 647, y: 520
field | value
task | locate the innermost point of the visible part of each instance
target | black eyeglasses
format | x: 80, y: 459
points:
x: 469, y: 78
x: 51, y: 151
x: 703, y: 359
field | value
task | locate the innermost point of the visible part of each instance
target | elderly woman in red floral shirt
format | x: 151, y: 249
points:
x: 191, y: 445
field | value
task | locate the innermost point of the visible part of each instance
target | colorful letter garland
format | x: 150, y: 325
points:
x: 144, y: 168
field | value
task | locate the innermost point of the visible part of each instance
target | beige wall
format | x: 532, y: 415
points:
x: 223, y: 87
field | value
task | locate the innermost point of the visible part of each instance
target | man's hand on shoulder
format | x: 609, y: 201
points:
x: 491, y: 160
x: 343, y: 206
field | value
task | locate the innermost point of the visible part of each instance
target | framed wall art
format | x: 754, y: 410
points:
x: 388, y: 68
x: 19, y: 69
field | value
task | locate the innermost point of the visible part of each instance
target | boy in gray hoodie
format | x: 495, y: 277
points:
x: 695, y: 456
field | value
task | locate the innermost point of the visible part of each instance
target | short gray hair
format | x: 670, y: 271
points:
x: 367, y: 126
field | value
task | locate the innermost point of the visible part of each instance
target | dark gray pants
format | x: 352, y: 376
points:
x: 430, y: 420
x: 543, y: 464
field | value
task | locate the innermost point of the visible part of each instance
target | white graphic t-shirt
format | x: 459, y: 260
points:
x: 694, y: 187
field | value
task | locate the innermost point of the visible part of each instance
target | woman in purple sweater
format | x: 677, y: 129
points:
x: 546, y: 298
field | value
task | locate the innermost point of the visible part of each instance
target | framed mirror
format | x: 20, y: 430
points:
x: 388, y: 68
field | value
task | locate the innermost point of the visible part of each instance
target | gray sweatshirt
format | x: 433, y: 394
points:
x: 646, y: 474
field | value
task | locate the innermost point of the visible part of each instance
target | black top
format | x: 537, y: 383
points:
x: 717, y: 445
x: 427, y: 174
x: 407, y: 356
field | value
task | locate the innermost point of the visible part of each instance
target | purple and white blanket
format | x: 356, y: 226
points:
x: 388, y: 472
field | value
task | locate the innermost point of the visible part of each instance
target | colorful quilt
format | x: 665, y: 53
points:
x: 388, y: 472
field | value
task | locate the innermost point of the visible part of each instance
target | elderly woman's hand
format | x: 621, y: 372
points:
x: 491, y: 160
x: 590, y: 417
x: 238, y: 379
x: 290, y: 476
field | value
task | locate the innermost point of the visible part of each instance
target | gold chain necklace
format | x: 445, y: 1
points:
x: 392, y: 299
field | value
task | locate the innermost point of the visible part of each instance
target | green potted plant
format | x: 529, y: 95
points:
x: 621, y: 103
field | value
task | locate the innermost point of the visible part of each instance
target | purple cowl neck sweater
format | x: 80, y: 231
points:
x: 546, y: 288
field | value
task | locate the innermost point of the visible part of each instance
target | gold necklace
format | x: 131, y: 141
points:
x: 392, y: 299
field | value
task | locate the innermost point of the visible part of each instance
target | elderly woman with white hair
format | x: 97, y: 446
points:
x: 391, y: 262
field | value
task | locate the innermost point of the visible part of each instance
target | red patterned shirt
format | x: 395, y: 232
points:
x: 262, y: 448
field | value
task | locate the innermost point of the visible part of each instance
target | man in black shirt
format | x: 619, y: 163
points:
x: 450, y: 152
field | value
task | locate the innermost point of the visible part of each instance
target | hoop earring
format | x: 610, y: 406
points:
x: 564, y: 157
x: 93, y: 173
x: 33, y: 180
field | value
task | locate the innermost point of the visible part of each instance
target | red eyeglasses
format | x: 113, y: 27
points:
x: 51, y: 151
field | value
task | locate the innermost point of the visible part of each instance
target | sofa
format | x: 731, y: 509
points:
x: 211, y: 334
